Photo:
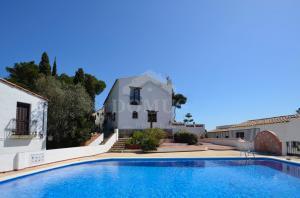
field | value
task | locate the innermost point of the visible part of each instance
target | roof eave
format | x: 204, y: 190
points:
x: 22, y: 89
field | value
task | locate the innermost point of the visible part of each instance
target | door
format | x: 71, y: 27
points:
x: 23, y: 118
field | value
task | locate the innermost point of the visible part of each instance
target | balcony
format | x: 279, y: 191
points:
x: 21, y: 129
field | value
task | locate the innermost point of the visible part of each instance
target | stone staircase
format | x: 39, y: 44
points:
x: 119, y: 146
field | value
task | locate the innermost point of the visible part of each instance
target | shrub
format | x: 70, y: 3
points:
x: 147, y: 139
x: 185, y: 137
x: 136, y: 139
x: 150, y: 144
x: 156, y: 133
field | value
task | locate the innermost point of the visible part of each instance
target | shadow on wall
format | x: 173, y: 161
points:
x: 14, y: 142
x: 37, y: 115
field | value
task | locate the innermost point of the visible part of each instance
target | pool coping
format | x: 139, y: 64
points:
x: 68, y: 164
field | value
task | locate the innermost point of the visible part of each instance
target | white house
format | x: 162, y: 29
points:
x: 140, y: 102
x: 286, y: 128
x: 23, y: 119
x: 99, y: 119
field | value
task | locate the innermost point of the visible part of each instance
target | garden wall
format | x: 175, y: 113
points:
x: 234, y: 142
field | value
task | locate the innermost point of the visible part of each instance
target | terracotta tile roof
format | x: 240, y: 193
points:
x: 263, y: 121
x: 21, y: 88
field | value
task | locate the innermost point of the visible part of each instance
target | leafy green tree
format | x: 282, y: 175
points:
x: 23, y: 74
x: 66, y: 79
x: 177, y: 101
x: 54, y: 68
x: 298, y: 111
x: 69, y: 108
x: 79, y: 76
x: 44, y: 66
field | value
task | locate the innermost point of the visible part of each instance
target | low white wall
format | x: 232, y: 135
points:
x: 7, y: 162
x: 28, y: 159
x: 97, y: 141
x: 234, y: 142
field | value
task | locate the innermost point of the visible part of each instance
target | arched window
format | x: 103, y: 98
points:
x: 135, y: 115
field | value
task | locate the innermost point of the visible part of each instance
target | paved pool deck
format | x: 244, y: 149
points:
x: 195, y: 154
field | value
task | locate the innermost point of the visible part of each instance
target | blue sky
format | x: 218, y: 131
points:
x: 234, y: 60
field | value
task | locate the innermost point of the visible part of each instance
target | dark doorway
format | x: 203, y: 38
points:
x: 152, y: 117
x: 22, y: 119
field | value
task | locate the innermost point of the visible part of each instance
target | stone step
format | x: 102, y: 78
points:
x: 119, y: 146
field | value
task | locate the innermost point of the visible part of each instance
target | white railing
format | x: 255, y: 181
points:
x: 12, y: 128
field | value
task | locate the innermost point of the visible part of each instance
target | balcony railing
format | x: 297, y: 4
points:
x: 22, y: 128
x: 293, y: 148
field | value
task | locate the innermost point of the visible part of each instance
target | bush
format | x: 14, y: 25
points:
x: 185, y: 137
x: 150, y: 144
x: 155, y: 133
x: 136, y: 139
x: 147, y: 139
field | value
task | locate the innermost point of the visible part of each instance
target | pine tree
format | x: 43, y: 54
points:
x: 188, y: 118
x: 44, y: 66
x: 177, y: 101
x: 79, y: 76
x: 54, y: 69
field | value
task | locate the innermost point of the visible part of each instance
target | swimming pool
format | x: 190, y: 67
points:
x: 161, y: 178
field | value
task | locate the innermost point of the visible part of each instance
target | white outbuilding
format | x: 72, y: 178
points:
x: 23, y: 119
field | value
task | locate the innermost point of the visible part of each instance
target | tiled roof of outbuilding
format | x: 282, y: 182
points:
x: 263, y: 121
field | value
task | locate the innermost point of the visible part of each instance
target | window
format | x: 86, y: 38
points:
x: 114, y: 117
x: 240, y: 135
x: 134, y: 115
x: 135, y: 95
x: 22, y: 119
x: 152, y: 116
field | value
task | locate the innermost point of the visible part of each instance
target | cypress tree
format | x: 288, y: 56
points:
x: 54, y: 69
x: 44, y: 66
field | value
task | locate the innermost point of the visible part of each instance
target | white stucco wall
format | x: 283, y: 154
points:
x: 155, y: 95
x: 9, y: 96
x: 289, y: 131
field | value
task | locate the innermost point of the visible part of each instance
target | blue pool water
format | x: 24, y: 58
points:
x: 161, y: 178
